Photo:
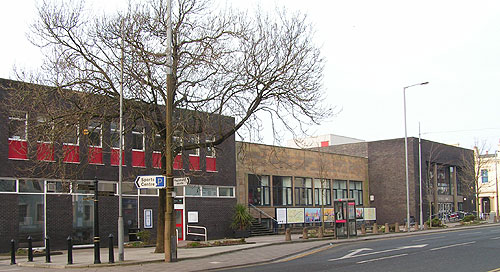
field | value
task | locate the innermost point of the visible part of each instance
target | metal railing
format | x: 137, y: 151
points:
x: 261, y: 212
x: 197, y: 234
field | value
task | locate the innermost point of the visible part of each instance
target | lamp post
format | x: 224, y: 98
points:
x: 406, y: 157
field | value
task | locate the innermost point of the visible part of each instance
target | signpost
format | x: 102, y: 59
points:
x: 181, y: 181
x: 150, y: 182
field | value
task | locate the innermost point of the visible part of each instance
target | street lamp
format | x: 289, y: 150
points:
x: 406, y: 158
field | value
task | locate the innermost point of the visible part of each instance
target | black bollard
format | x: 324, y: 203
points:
x: 30, y: 249
x: 111, y: 253
x: 47, y: 249
x: 70, y: 250
x: 97, y: 251
x: 12, y: 252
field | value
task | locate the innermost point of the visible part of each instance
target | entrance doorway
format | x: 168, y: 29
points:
x: 179, y: 224
x: 485, y: 204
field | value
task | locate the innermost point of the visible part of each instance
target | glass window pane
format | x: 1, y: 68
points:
x: 193, y: 190
x: 150, y: 191
x: 30, y: 211
x: 209, y: 191
x: 31, y: 186
x: 129, y: 188
x: 7, y: 185
x: 226, y: 191
x: 58, y: 187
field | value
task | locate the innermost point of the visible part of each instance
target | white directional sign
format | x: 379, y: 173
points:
x: 145, y: 182
x: 181, y: 181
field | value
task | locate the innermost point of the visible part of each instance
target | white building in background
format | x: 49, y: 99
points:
x: 488, y: 183
x: 321, y: 141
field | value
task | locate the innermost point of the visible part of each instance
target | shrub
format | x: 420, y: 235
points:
x: 469, y: 218
x: 436, y: 222
x: 241, y: 217
x: 145, y: 236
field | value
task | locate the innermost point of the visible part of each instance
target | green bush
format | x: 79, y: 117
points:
x: 145, y: 236
x: 469, y: 218
x: 436, y: 222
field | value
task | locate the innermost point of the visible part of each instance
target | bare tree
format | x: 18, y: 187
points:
x: 253, y: 67
x: 471, y: 174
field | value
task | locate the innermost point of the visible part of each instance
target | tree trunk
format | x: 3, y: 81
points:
x: 160, y: 229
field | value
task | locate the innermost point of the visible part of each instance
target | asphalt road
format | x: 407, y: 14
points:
x: 467, y: 250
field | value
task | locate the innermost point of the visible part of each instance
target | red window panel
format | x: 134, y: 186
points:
x: 138, y: 158
x: 45, y: 152
x: 115, y: 157
x: 18, y: 150
x: 157, y: 160
x: 178, y: 162
x: 95, y: 155
x: 71, y: 153
x: 211, y: 164
x: 194, y: 163
x: 325, y: 143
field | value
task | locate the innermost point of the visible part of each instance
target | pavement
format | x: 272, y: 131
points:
x: 259, y: 249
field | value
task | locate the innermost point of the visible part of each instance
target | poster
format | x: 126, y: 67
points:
x: 192, y: 217
x: 281, y: 215
x: 370, y: 214
x: 329, y: 215
x: 312, y: 215
x: 148, y: 218
x: 295, y: 215
x: 359, y: 213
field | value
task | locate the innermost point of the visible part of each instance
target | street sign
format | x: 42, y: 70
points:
x: 181, y: 181
x: 148, y: 182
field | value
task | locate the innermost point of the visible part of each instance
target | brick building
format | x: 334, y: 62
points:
x: 272, y: 177
x: 445, y: 177
x: 44, y: 183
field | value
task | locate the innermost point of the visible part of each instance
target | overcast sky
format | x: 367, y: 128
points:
x: 373, y: 50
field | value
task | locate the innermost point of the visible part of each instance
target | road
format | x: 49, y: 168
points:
x: 467, y: 250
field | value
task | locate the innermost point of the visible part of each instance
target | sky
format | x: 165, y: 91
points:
x: 373, y: 50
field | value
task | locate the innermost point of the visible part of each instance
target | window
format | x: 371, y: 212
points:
x: 192, y: 190
x: 7, y: 185
x: 303, y: 191
x: 339, y: 189
x: 138, y: 138
x: 45, y: 147
x: 258, y: 190
x: 31, y: 186
x: 71, y: 149
x: 115, y: 135
x: 356, y: 191
x: 94, y: 134
x: 443, y: 181
x: 484, y: 175
x: 226, y: 192
x: 209, y: 191
x: 210, y: 148
x: 18, y: 122
x: 282, y: 191
x: 138, y: 154
x: 115, y: 144
x: 322, y: 192
x: 194, y: 158
x: 18, y: 146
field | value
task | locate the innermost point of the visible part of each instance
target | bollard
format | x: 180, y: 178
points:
x: 70, y: 250
x: 111, y: 253
x: 426, y: 226
x: 12, y: 252
x: 375, y: 228
x: 396, y: 227
x: 288, y: 234
x: 363, y: 229
x: 386, y: 228
x: 305, y: 235
x: 320, y: 232
x: 30, y: 249
x: 47, y: 249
